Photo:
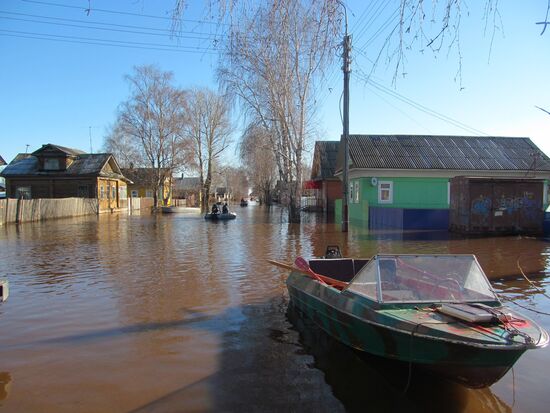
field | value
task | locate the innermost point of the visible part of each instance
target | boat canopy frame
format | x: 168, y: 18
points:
x: 423, y: 278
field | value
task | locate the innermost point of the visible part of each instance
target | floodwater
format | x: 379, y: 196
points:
x: 170, y: 313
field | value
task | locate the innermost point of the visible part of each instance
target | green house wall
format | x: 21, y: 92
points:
x: 413, y: 193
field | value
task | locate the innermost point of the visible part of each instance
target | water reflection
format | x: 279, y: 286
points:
x: 5, y: 384
x: 363, y: 381
x: 172, y: 313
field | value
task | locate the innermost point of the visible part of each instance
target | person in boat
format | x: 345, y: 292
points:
x: 215, y: 209
x: 224, y: 209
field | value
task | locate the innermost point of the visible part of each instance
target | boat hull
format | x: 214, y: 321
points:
x: 474, y: 366
x: 220, y: 217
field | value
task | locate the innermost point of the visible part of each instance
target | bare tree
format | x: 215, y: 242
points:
x: 125, y: 148
x: 258, y: 157
x: 208, y: 128
x: 151, y: 122
x: 276, y: 52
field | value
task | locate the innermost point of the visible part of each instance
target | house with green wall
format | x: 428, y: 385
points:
x: 403, y: 181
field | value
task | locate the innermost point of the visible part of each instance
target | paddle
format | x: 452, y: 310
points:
x: 325, y: 280
x: 303, y: 265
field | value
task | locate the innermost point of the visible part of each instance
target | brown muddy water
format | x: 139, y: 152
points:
x: 169, y: 313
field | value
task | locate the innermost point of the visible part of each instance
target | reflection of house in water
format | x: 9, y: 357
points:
x: 54, y: 171
x: 404, y: 181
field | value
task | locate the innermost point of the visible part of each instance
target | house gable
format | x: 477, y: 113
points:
x: 324, y: 160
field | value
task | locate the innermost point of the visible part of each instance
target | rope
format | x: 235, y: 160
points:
x: 524, y: 307
x: 540, y: 290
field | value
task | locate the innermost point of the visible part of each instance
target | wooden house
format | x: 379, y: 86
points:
x: 188, y: 188
x: 143, y: 184
x: 404, y: 181
x: 54, y: 171
x: 327, y: 186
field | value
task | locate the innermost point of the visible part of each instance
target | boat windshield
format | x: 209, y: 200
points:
x: 421, y: 278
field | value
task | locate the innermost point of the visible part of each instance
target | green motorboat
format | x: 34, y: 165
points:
x: 434, y: 311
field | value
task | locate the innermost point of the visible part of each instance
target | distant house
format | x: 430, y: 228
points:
x: 220, y: 193
x: 142, y: 185
x: 2, y: 181
x: 328, y: 188
x: 403, y: 181
x: 187, y: 188
x: 54, y: 171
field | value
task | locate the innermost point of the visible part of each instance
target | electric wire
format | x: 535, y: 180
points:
x: 98, y: 28
x: 164, y: 31
x: 106, y: 44
x: 85, y: 9
x: 417, y: 105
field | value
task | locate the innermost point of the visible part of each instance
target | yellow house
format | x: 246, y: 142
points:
x: 143, y: 184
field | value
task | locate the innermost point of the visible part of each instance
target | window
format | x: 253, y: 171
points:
x: 23, y: 192
x: 149, y: 194
x: 356, y: 192
x: 385, y: 192
x: 51, y: 164
x: 102, y: 192
x: 113, y: 192
x: 350, y: 192
x: 134, y: 193
x: 82, y: 191
x: 123, y: 192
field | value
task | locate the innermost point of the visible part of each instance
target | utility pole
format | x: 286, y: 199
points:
x: 346, y: 67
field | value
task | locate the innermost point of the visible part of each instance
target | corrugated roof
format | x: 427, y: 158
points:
x: 324, y: 159
x: 477, y: 153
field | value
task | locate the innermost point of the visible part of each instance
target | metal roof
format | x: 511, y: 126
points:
x: 476, y: 153
x: 324, y: 159
x: 85, y: 164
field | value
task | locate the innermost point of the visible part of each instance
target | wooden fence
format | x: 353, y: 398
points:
x: 136, y: 204
x: 27, y: 210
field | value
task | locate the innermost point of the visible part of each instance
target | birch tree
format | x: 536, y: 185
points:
x: 208, y: 129
x: 259, y: 161
x: 151, y: 122
x: 276, y: 52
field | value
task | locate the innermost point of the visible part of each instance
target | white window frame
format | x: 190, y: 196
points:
x: 356, y: 192
x: 390, y: 189
x: 350, y: 195
x: 148, y: 193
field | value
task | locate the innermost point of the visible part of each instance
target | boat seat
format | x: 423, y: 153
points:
x: 341, y: 269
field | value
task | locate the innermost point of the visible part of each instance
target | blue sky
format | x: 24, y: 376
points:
x: 54, y: 90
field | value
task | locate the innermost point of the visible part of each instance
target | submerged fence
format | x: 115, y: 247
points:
x: 27, y: 210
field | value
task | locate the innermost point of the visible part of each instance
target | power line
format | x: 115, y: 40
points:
x: 107, y: 44
x: 98, y: 28
x: 419, y: 106
x: 165, y: 31
x: 45, y: 3
x: 104, y: 40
